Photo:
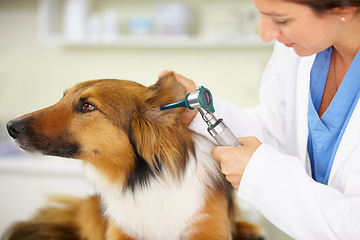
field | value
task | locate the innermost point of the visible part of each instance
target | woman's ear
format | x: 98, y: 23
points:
x: 344, y: 13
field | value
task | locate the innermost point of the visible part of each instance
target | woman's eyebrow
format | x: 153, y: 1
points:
x: 273, y: 14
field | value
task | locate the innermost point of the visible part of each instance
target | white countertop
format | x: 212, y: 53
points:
x: 37, y: 164
x: 26, y: 181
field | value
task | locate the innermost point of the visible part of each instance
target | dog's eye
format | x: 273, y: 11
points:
x: 86, y: 107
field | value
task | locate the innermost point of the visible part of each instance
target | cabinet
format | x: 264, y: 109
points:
x: 149, y: 23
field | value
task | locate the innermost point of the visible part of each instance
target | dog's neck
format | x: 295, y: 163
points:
x: 165, y: 202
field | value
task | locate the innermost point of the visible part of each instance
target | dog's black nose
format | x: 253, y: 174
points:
x: 15, y: 128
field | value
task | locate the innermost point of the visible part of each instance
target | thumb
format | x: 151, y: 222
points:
x: 219, y: 152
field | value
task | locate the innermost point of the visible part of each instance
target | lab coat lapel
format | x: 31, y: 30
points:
x: 351, y: 135
x: 303, y: 83
x: 349, y: 140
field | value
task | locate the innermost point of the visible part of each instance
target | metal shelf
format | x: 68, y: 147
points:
x: 51, y: 31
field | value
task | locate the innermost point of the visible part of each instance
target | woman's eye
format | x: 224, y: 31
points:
x: 87, y: 107
x: 280, y: 21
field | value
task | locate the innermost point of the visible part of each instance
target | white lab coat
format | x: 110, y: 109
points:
x: 277, y: 180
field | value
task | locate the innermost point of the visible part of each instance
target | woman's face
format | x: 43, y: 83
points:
x: 297, y: 26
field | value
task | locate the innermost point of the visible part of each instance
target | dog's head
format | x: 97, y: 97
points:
x: 115, y: 125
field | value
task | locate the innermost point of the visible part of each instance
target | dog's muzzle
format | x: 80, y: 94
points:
x: 34, y: 141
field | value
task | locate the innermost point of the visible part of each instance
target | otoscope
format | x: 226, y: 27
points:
x: 203, y: 101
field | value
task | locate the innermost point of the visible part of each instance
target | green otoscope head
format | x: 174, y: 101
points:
x: 201, y: 98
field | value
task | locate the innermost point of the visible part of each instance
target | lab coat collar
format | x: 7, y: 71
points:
x: 302, y: 100
x: 348, y: 142
x: 351, y: 135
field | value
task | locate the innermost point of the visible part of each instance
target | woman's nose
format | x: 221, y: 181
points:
x: 269, y: 30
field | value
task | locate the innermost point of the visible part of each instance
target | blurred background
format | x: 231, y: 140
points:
x: 46, y: 46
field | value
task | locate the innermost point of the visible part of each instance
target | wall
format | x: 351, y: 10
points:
x: 34, y: 75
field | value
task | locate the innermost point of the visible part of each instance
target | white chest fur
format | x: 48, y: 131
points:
x: 165, y: 208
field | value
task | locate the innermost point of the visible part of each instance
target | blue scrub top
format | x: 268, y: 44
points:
x: 325, y: 133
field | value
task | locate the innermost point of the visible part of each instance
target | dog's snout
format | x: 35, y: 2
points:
x: 15, y: 128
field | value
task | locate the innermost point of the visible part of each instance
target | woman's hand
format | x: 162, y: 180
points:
x: 190, y: 87
x: 233, y: 160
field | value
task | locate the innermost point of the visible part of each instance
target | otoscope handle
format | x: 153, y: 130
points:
x: 222, y: 134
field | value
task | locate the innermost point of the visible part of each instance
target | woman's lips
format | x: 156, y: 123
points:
x: 289, y: 44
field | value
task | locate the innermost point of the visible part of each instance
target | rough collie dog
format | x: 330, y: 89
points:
x: 155, y: 179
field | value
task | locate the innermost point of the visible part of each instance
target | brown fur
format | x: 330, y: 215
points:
x: 60, y: 221
x: 129, y: 140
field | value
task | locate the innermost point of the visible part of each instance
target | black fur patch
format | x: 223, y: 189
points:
x: 141, y: 174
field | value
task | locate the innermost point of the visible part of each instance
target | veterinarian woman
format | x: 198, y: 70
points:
x: 301, y: 168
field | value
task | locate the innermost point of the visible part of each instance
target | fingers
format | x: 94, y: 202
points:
x: 233, y: 160
x: 230, y: 163
x: 234, y: 180
x: 188, y: 84
x: 163, y: 73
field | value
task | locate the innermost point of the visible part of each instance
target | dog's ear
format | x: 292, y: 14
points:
x: 166, y: 90
x: 155, y: 133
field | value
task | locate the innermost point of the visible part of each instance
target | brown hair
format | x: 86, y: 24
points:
x: 323, y: 6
